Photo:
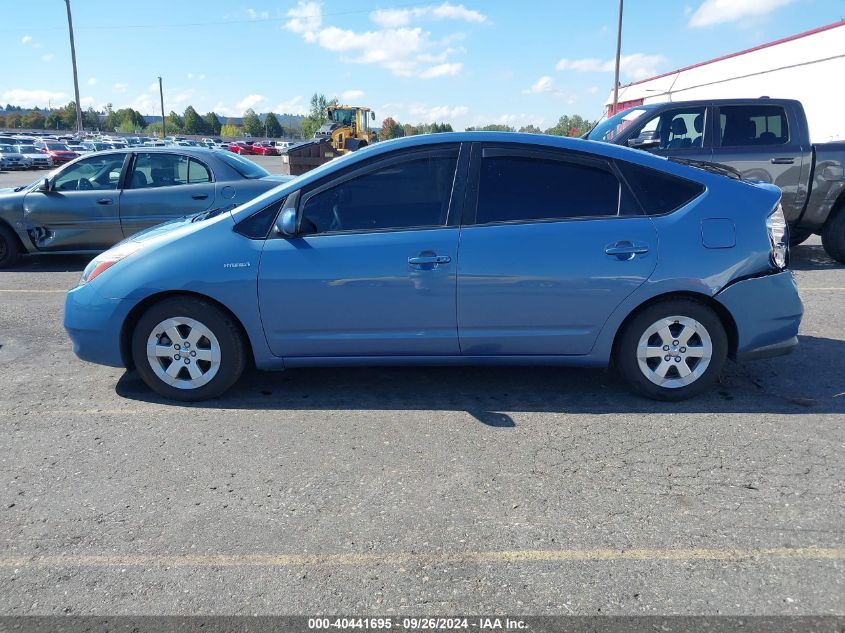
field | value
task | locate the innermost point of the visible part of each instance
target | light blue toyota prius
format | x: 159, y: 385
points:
x: 463, y: 248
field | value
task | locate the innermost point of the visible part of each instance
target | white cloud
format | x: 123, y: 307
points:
x: 394, y: 18
x: 31, y: 98
x: 148, y: 102
x: 721, y: 11
x: 305, y: 19
x: 26, y: 39
x: 254, y: 15
x: 404, y: 51
x: 92, y: 81
x: 422, y: 112
x: 48, y: 57
x: 635, y: 66
x: 543, y: 84
x: 249, y: 101
x: 119, y: 87
x: 441, y: 70
x: 293, y: 106
x: 352, y: 95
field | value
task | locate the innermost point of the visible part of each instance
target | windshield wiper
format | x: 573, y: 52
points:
x: 205, y: 215
x: 706, y: 165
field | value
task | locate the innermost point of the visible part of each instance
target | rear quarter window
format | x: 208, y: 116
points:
x: 657, y: 192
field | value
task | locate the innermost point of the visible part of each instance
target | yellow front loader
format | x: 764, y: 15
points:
x: 348, y: 128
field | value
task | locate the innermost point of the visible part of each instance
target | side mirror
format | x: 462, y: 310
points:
x: 286, y: 223
x: 44, y: 186
x: 373, y: 115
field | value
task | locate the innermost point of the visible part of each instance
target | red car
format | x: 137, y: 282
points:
x: 265, y: 149
x: 239, y: 147
x: 59, y: 152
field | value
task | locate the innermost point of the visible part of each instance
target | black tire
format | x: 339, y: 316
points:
x: 628, y: 366
x: 227, y: 332
x: 798, y: 236
x: 9, y: 247
x: 833, y: 235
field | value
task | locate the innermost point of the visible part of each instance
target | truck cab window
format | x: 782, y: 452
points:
x: 753, y: 125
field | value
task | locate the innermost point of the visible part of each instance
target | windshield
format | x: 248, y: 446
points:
x: 344, y: 116
x: 57, y: 147
x: 244, y: 167
x: 27, y: 149
x: 8, y: 149
x: 611, y: 128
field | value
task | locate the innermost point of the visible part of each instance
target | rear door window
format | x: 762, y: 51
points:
x: 659, y: 193
x: 753, y: 125
x: 523, y: 186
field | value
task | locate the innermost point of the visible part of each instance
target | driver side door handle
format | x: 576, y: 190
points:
x: 105, y: 201
x: 625, y: 250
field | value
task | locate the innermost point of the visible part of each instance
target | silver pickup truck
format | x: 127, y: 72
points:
x: 764, y: 139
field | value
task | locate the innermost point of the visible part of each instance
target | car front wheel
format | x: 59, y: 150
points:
x: 672, y: 350
x: 9, y: 249
x: 188, y: 349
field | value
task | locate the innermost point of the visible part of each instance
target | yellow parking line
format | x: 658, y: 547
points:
x: 346, y: 560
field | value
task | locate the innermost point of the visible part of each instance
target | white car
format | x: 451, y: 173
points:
x: 37, y: 159
x: 13, y: 158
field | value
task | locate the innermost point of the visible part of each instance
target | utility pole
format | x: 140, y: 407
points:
x: 163, y: 124
x: 618, y: 55
x: 75, y: 76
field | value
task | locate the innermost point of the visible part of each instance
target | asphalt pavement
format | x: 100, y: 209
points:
x: 426, y: 491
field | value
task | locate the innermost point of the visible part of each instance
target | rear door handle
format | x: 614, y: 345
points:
x: 422, y: 260
x: 200, y: 196
x: 783, y: 161
x: 625, y: 250
x: 105, y: 201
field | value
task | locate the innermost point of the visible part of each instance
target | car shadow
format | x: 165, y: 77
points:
x: 811, y: 257
x: 785, y: 385
x: 50, y: 264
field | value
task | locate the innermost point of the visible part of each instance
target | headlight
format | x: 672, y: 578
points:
x: 778, y: 240
x: 103, y: 262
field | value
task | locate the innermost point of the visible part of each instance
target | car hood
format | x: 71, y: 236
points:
x: 10, y: 155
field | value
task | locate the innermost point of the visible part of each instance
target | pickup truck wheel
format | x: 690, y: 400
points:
x: 188, y: 349
x: 798, y: 236
x: 9, y: 248
x: 833, y: 236
x: 672, y: 350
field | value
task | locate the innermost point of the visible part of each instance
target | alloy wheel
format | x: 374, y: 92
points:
x: 674, y: 351
x: 183, y: 352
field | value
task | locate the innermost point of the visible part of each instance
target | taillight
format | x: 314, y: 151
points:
x: 778, y: 238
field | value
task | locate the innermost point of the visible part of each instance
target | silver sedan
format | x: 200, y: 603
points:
x: 99, y: 199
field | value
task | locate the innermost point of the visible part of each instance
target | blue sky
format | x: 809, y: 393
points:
x: 467, y: 62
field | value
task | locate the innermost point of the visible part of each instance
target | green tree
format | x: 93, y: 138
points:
x: 174, y: 123
x: 390, y: 129
x: 212, y: 123
x: 252, y: 124
x: 111, y: 121
x: 53, y: 121
x: 13, y: 120
x: 192, y: 122
x: 90, y: 119
x: 493, y: 127
x: 33, y: 120
x: 230, y: 131
x: 318, y: 114
x: 530, y: 129
x: 272, y: 126
x: 574, y: 125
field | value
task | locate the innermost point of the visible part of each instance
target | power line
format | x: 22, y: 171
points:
x: 159, y: 25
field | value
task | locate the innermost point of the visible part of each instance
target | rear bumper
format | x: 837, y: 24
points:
x: 767, y: 311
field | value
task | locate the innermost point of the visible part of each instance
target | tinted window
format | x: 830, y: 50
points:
x: 675, y: 129
x: 197, y: 172
x: 243, y: 166
x: 753, y: 125
x: 657, y: 192
x: 258, y: 225
x: 95, y: 173
x: 412, y: 193
x: 520, y: 188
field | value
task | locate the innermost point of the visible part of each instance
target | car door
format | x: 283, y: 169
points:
x: 684, y: 132
x: 372, y: 270
x: 162, y: 186
x: 758, y: 140
x: 551, y: 243
x: 80, y: 209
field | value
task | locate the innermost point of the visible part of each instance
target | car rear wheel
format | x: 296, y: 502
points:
x: 188, y: 349
x: 672, y: 350
x: 833, y: 236
x: 9, y: 247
